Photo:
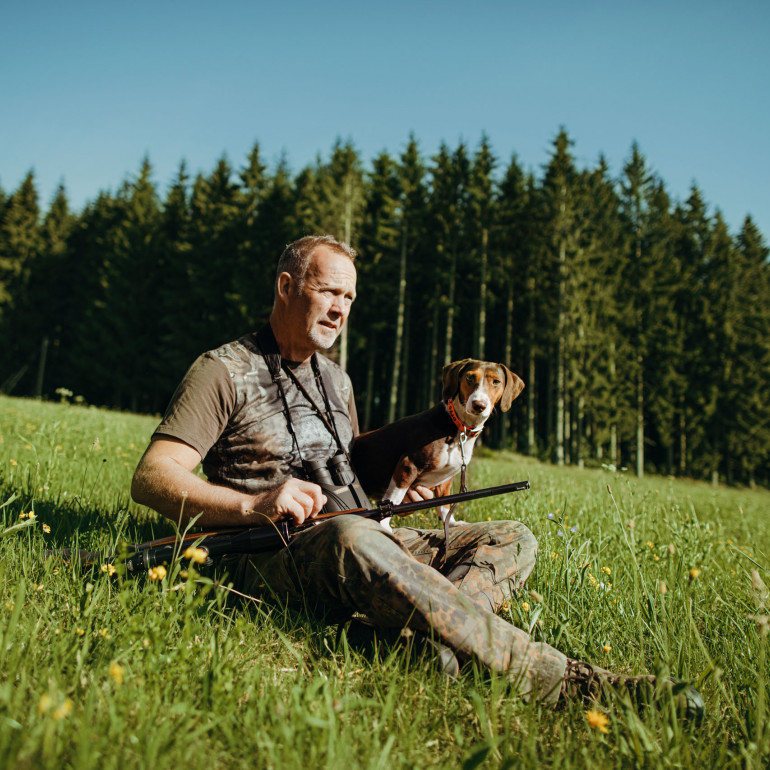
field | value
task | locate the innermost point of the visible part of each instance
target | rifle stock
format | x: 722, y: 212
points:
x: 270, y: 537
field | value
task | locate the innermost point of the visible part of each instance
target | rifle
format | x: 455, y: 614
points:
x: 220, y: 542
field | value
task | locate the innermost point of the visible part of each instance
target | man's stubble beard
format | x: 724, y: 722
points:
x: 321, y: 340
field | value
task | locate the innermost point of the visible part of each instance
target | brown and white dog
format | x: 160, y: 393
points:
x: 431, y: 447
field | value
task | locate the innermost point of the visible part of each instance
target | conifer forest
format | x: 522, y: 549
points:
x: 639, y: 323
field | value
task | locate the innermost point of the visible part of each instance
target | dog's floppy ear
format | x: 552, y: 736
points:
x: 513, y: 386
x: 450, y: 377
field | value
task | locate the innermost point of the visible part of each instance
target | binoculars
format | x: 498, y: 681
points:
x: 339, y: 483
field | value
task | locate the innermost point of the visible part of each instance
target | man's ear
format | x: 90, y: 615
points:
x: 284, y: 286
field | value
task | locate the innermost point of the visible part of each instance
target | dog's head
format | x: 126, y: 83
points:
x: 480, y: 385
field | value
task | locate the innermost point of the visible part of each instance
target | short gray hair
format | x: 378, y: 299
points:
x: 296, y: 256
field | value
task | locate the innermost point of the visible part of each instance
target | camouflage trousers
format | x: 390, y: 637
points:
x: 407, y: 579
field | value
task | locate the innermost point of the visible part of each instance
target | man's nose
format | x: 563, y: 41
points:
x: 338, y: 306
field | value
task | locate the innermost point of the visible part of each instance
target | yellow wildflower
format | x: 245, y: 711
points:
x: 14, y: 463
x: 46, y: 529
x: 31, y: 515
x: 22, y: 515
x: 694, y: 572
x: 597, y: 720
x: 116, y: 672
x: 109, y: 569
x: 43, y: 704
x: 650, y: 544
x: 157, y: 573
x: 525, y: 606
x: 198, y: 555
x: 80, y: 631
x: 607, y: 648
x: 64, y: 710
x: 606, y: 570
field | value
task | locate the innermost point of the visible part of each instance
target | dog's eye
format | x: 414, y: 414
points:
x: 469, y: 378
x: 496, y: 381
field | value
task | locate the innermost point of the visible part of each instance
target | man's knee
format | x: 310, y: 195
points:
x: 512, y: 547
x: 512, y: 536
x: 350, y: 533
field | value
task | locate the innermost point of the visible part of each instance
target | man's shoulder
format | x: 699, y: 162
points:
x: 238, y: 356
x: 335, y: 371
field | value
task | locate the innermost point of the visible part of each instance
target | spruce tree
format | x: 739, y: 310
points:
x: 342, y: 207
x: 374, y: 339
x: 119, y: 332
x: 51, y: 287
x: 512, y: 235
x: 562, y: 232
x: 747, y: 444
x: 481, y: 214
x: 20, y: 246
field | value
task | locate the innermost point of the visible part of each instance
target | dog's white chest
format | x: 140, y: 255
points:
x: 449, y: 462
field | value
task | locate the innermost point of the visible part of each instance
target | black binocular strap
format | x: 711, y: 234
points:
x: 269, y: 347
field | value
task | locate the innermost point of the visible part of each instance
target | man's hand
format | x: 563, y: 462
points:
x: 295, y: 499
x: 164, y: 481
x: 419, y: 492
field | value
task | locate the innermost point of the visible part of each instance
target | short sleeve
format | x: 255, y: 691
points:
x: 201, y: 405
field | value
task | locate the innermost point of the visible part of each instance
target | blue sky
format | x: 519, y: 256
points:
x: 87, y: 89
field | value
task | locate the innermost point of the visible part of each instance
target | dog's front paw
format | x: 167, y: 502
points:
x: 451, y: 522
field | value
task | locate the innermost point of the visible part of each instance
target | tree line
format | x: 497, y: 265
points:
x: 640, y: 324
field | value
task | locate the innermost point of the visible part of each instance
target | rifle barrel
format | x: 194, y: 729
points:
x: 230, y: 540
x: 459, y: 497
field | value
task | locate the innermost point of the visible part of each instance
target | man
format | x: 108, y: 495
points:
x: 255, y: 410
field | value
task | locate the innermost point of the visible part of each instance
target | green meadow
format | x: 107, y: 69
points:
x: 657, y: 575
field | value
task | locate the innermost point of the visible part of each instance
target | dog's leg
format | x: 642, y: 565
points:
x: 442, y: 490
x: 394, y: 495
x: 404, y: 476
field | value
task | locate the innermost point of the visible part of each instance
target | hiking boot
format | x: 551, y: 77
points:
x: 582, y: 680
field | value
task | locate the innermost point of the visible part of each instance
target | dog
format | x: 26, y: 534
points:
x: 432, y: 447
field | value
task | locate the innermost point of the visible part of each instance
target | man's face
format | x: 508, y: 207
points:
x: 321, y: 307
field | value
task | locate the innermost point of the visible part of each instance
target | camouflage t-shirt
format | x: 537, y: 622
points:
x: 228, y: 409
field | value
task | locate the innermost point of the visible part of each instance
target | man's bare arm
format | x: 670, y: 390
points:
x: 164, y: 481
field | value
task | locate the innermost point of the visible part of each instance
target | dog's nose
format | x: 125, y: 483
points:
x: 478, y: 405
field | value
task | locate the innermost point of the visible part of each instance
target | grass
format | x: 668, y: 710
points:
x: 636, y: 575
